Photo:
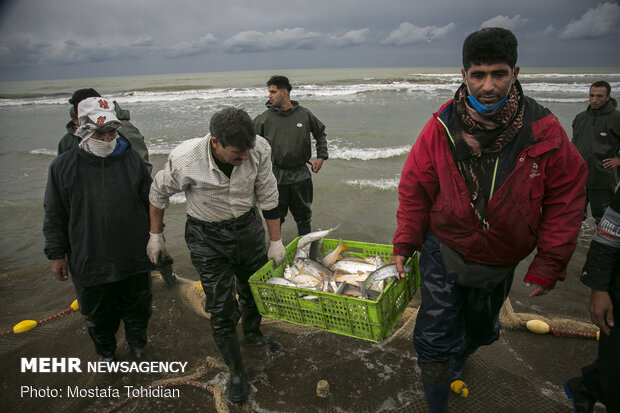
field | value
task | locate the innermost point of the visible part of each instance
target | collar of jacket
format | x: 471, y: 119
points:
x: 283, y: 112
x: 539, y: 121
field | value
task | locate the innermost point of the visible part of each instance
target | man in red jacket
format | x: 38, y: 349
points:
x: 491, y: 177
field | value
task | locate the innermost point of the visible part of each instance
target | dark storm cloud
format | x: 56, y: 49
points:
x: 189, y: 35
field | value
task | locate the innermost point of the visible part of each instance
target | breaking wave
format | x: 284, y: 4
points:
x: 42, y: 151
x: 385, y: 184
x: 558, y: 85
x: 365, y: 154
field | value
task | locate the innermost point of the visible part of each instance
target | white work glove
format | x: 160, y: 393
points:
x: 155, y: 247
x: 277, y: 252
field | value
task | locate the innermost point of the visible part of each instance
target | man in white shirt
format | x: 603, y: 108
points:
x: 226, y: 177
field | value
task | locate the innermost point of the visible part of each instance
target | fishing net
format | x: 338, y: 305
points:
x: 520, y: 372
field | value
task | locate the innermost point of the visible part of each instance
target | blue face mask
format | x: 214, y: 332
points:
x: 480, y: 108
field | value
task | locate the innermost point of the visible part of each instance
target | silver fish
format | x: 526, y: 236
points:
x: 347, y: 266
x: 355, y: 291
x: 314, y: 236
x: 302, y: 253
x: 314, y: 252
x: 281, y: 281
x: 311, y: 267
x: 311, y: 251
x: 351, y: 257
x: 288, y: 272
x: 379, y: 261
x: 352, y: 279
x: 383, y: 273
x: 306, y: 281
x: 330, y: 259
x: 334, y: 287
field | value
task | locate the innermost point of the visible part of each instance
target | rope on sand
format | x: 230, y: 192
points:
x: 27, y: 325
x: 216, y: 388
x: 557, y: 326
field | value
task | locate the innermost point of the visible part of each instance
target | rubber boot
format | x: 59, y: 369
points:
x: 437, y: 396
x: 576, y: 392
x: 257, y: 339
x: 238, y: 386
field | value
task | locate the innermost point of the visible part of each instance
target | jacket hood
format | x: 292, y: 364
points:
x: 71, y: 127
x: 283, y: 112
x: 121, y: 114
x: 608, y: 108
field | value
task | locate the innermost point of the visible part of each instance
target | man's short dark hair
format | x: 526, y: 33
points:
x: 489, y: 46
x: 233, y: 127
x: 81, y: 94
x: 281, y: 82
x: 602, y: 83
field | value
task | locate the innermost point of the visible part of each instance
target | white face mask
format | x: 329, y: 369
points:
x: 99, y: 148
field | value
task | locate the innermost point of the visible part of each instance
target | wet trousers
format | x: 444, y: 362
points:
x: 601, y: 379
x: 105, y: 305
x: 225, y: 255
x: 453, y: 320
x: 298, y: 198
x: 599, y: 199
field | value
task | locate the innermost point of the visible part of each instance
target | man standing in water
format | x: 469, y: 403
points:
x: 225, y: 176
x: 97, y: 219
x: 287, y: 127
x: 491, y: 177
x: 596, y: 134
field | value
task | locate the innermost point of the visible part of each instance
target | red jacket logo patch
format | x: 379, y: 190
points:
x: 100, y: 120
x: 103, y: 104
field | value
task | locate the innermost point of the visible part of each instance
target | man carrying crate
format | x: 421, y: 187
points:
x: 491, y: 177
x: 225, y: 176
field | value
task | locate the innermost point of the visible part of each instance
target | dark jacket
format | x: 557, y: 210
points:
x: 288, y: 133
x: 538, y: 205
x: 602, y: 269
x: 96, y: 213
x: 127, y: 129
x: 596, y: 134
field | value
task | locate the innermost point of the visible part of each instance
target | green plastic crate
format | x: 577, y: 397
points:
x: 349, y: 316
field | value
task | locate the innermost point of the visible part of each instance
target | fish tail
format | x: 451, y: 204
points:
x: 363, y: 289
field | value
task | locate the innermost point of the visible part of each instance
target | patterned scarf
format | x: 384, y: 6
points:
x: 480, y: 139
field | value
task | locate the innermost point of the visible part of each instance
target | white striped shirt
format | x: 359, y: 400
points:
x: 211, y: 196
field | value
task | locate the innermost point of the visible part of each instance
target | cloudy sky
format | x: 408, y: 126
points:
x: 51, y: 39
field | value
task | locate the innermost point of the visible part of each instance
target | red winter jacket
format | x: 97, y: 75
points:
x: 539, y: 205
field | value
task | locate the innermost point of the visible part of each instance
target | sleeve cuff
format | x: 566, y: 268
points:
x: 159, y: 203
x: 55, y: 256
x: 543, y: 282
x: 406, y: 250
x: 272, y: 213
